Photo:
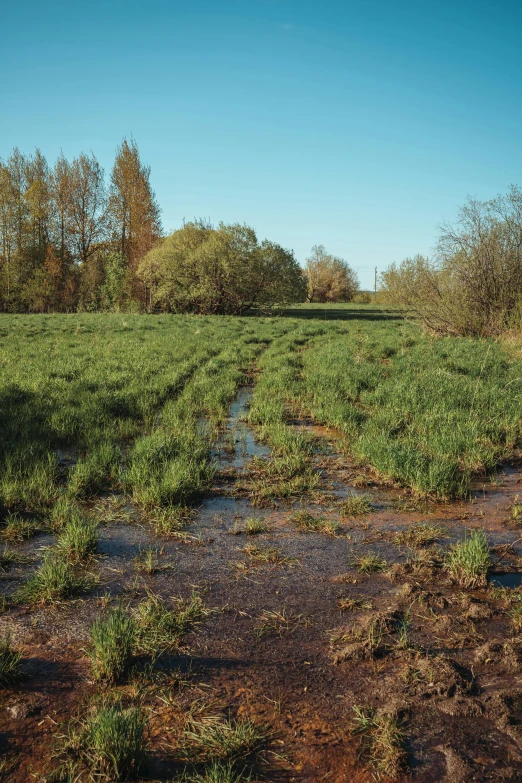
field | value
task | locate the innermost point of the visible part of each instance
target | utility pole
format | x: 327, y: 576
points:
x: 375, y: 284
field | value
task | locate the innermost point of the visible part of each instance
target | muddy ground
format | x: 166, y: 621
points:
x: 282, y: 644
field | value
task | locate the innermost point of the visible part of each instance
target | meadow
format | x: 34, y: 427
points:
x: 146, y: 518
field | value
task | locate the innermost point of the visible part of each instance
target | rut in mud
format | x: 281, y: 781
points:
x: 319, y: 604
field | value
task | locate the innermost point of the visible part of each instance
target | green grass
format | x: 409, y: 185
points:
x: 355, y: 505
x: 54, y: 581
x: 309, y: 523
x: 78, y: 540
x: 370, y: 564
x: 108, y: 744
x: 468, y: 561
x: 382, y: 741
x: 112, y: 641
x: 96, y: 403
x: 10, y: 663
x: 254, y: 526
x: 222, y: 740
x: 160, y: 628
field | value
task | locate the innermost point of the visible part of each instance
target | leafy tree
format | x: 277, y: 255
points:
x: 221, y: 270
x: 115, y: 289
x: 134, y: 213
x: 329, y: 278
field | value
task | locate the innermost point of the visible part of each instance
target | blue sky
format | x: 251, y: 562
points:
x: 357, y: 125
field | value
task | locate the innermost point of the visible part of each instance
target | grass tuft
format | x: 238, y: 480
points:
x: 160, y: 629
x: 382, y: 741
x: 53, y: 582
x: 307, y: 522
x: 78, y: 541
x: 370, y: 564
x: 356, y: 505
x: 10, y: 663
x: 111, y: 645
x: 468, y: 561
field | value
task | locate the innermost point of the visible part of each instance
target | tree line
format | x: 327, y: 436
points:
x: 71, y: 240
x: 473, y: 284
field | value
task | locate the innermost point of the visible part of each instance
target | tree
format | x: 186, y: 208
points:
x: 474, y: 283
x: 220, y: 270
x: 329, y: 278
x: 133, y: 210
x: 86, y: 206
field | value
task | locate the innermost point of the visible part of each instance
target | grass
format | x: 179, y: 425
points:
x: 147, y: 560
x: 382, y: 741
x: 160, y: 628
x: 218, y: 772
x: 309, y: 523
x: 78, y: 541
x: 468, y: 561
x: 53, y: 582
x: 10, y: 663
x: 420, y: 535
x: 355, y: 505
x: 18, y: 528
x: 221, y: 740
x: 112, y: 641
x: 354, y: 604
x: 370, y: 564
x: 108, y: 744
x: 254, y: 526
x: 268, y: 554
x: 10, y: 557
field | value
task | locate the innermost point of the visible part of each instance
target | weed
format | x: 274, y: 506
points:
x: 468, y: 561
x: 112, y: 640
x: 10, y: 663
x: 311, y: 524
x: 369, y: 564
x: 516, y: 509
x: 382, y: 741
x: 53, y: 582
x: 355, y: 505
x: 515, y: 614
x: 78, y: 540
x: 170, y: 521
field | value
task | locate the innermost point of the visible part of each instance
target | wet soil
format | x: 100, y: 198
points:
x: 286, y: 642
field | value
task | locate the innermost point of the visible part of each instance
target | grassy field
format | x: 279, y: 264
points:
x: 95, y: 402
x: 117, y: 428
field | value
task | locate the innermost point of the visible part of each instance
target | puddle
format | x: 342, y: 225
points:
x: 237, y: 445
x: 506, y: 580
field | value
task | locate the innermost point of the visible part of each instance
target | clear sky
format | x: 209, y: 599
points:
x: 357, y: 125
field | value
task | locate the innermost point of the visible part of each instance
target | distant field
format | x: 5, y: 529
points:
x: 136, y: 401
